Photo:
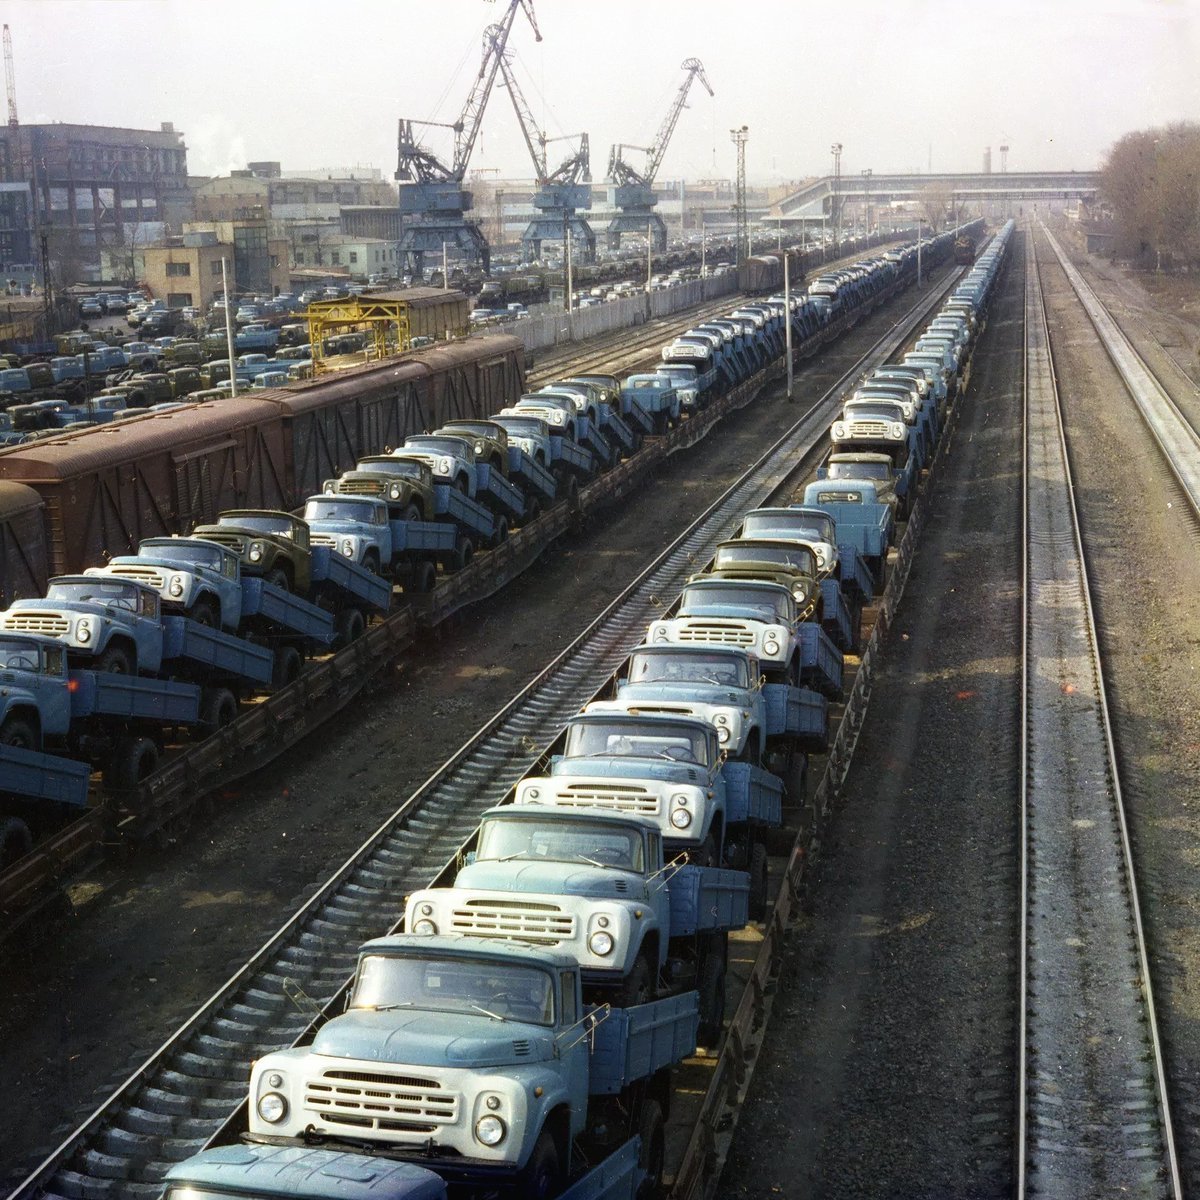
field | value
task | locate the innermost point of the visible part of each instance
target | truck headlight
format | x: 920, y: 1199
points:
x: 721, y: 719
x: 839, y: 430
x: 661, y: 634
x: 771, y: 644
x: 681, y: 818
x: 722, y: 734
x: 272, y: 1107
x: 256, y: 551
x: 558, y: 417
x: 532, y: 793
x: 601, y: 943
x: 820, y: 556
x: 896, y: 432
x: 394, y: 491
x: 478, y: 447
x: 490, y: 1130
x: 83, y: 631
x: 425, y: 927
x: 348, y: 547
x: 329, y: 488
x: 444, y: 466
x: 176, y: 587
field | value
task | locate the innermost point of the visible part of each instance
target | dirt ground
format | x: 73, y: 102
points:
x: 155, y: 936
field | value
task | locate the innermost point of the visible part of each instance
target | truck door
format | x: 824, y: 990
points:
x: 574, y: 1048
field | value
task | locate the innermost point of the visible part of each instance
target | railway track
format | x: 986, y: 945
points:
x: 187, y: 1089
x: 1093, y: 1114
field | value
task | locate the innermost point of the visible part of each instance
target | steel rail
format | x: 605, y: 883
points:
x: 1174, y: 433
x: 170, y: 1105
x: 1089, y: 1027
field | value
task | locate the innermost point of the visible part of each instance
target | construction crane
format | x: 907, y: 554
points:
x: 10, y: 80
x: 433, y: 201
x: 633, y: 191
x: 560, y: 192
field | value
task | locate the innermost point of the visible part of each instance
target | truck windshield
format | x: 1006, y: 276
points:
x: 765, y: 605
x: 476, y: 986
x: 679, y: 374
x: 524, y: 428
x: 650, y: 382
x: 656, y: 739
x: 190, y: 554
x: 864, y: 470
x: 95, y: 591
x: 410, y: 468
x: 17, y: 655
x: 881, y: 409
x: 263, y: 523
x: 561, y: 841
x: 339, y: 510
x: 440, y: 445
x: 661, y: 666
x: 798, y: 558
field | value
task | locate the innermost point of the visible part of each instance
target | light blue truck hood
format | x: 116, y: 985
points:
x: 629, y: 768
x: 555, y: 878
x: 432, y: 1039
x: 682, y: 691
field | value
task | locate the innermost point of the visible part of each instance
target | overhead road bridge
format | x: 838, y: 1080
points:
x: 815, y: 199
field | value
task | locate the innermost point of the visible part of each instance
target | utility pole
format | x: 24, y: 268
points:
x: 739, y: 137
x: 229, y: 333
x: 703, y: 246
x: 866, y: 174
x: 787, y: 316
x: 445, y: 269
x: 570, y: 284
x: 836, y: 151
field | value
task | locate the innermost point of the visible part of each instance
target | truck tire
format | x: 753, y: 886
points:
x: 16, y: 841
x: 710, y: 983
x: 286, y: 667
x: 132, y: 761
x: 533, y: 510
x: 460, y: 484
x: 21, y: 733
x: 204, y: 612
x: 218, y: 708
x: 463, y: 553
x: 500, y: 531
x: 653, y: 1150
x: 423, y: 577
x: 759, y: 881
x: 348, y: 627
x: 371, y: 561
x: 706, y: 855
x: 570, y: 492
x: 411, y: 513
x: 638, y: 986
x: 278, y: 577
x: 116, y: 660
x: 543, y: 1174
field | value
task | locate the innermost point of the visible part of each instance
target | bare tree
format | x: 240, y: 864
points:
x: 936, y: 202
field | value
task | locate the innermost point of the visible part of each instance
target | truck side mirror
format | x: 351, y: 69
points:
x: 469, y: 858
x: 762, y: 683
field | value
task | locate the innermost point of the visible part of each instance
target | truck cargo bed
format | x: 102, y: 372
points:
x: 635, y: 1043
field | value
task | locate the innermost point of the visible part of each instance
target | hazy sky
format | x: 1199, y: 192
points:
x: 896, y: 81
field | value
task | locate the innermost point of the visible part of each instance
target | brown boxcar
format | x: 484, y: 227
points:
x: 24, y: 561
x: 432, y: 312
x: 105, y: 489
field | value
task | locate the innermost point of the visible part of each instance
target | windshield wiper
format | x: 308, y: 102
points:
x: 388, y: 1007
x: 488, y: 1013
x: 514, y: 854
x: 597, y: 863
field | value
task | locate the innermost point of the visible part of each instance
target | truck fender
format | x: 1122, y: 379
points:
x: 20, y: 719
x: 551, y: 1110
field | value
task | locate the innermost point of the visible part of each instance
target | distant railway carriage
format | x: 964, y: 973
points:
x: 964, y: 248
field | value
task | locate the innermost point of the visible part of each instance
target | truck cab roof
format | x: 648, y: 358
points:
x: 553, y: 812
x: 421, y: 945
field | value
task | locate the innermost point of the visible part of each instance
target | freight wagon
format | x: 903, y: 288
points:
x: 104, y: 490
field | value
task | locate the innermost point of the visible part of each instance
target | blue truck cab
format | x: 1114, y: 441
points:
x: 35, y: 704
x: 472, y: 1057
x: 891, y: 486
x: 656, y: 396
x: 450, y: 459
x: 818, y: 529
x: 667, y: 768
x: 863, y: 520
x: 357, y: 527
x: 107, y: 623
x: 529, y: 433
x: 685, y: 379
x: 196, y: 577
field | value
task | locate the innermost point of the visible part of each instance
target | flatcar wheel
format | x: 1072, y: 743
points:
x: 16, y: 841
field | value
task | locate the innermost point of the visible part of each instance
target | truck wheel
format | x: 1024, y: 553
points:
x: 542, y: 1177
x: 460, y: 484
x: 424, y: 577
x: 204, y: 612
x: 20, y: 733
x: 16, y: 841
x: 132, y: 761
x: 500, y: 531
x: 710, y: 983
x: 286, y: 667
x: 348, y: 627
x: 533, y: 510
x: 759, y: 878
x: 463, y: 553
x: 653, y: 1150
x: 115, y: 660
x: 570, y: 492
x: 706, y: 855
x: 638, y: 986
x: 411, y: 513
x: 371, y: 561
x: 218, y: 708
x: 277, y: 577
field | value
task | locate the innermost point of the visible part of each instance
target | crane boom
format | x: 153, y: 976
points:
x: 10, y: 79
x: 415, y: 161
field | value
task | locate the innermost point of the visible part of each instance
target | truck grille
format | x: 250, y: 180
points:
x: 513, y: 919
x: 865, y: 429
x: 381, y: 1100
x: 147, y: 575
x: 724, y: 635
x: 51, y: 624
x: 322, y: 539
x: 623, y: 797
x: 361, y: 487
